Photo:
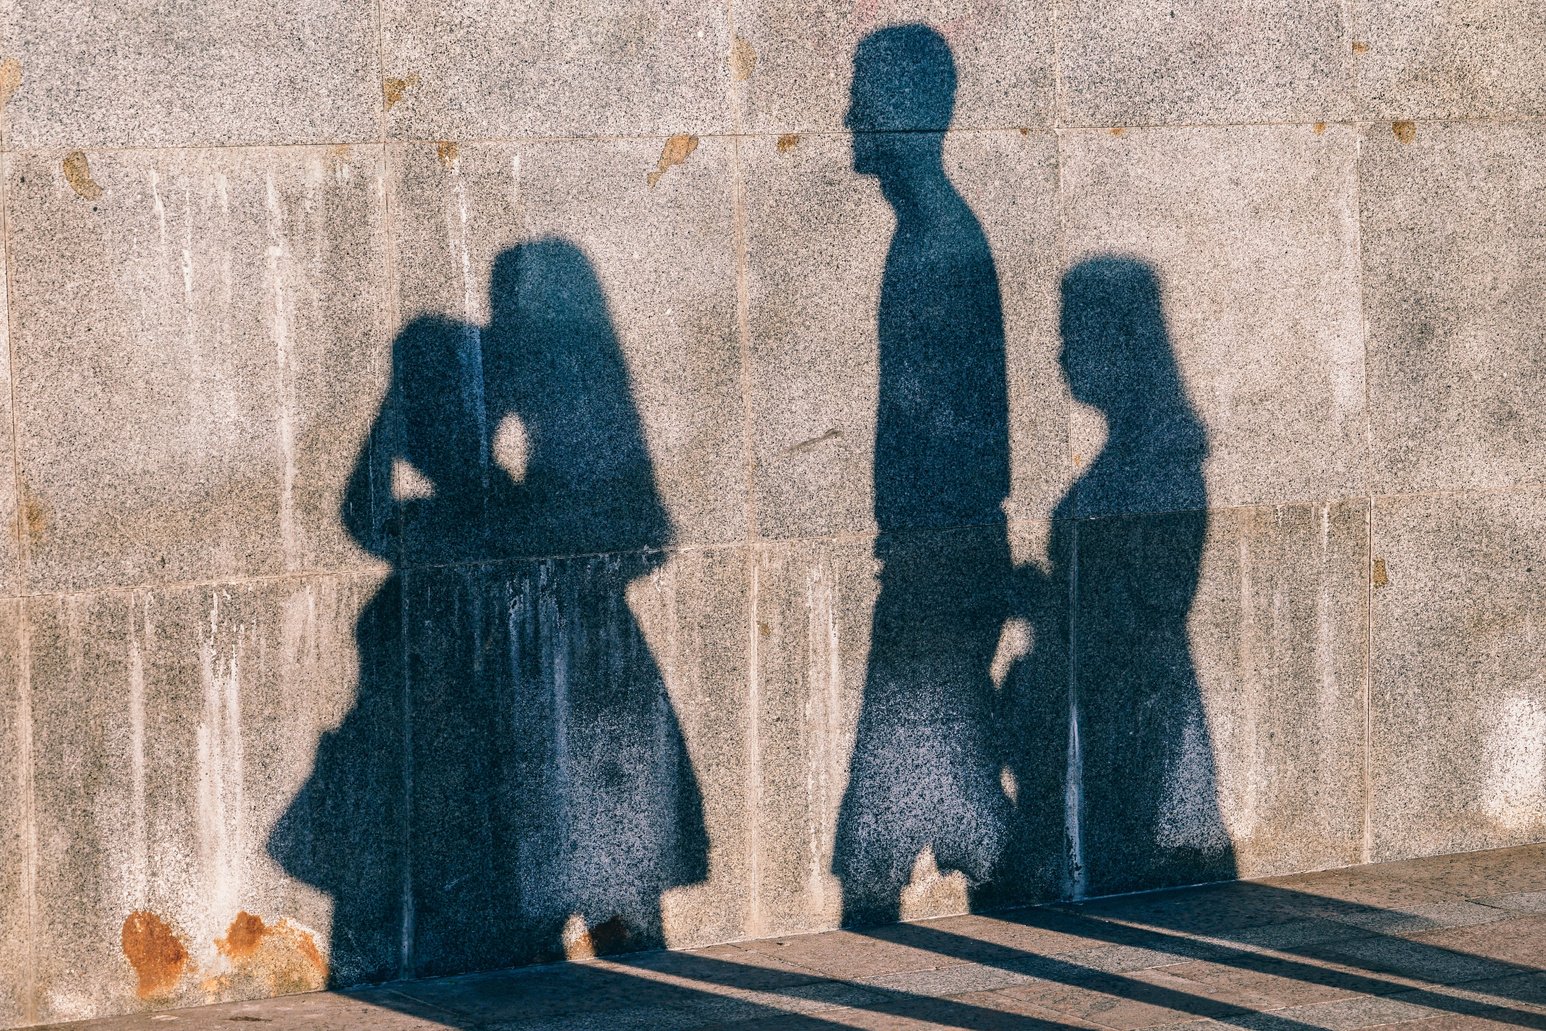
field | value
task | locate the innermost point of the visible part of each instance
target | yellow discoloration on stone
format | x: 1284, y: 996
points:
x: 77, y: 172
x: 10, y: 79
x: 743, y: 59
x: 1406, y: 132
x: 787, y: 142
x: 448, y: 152
x: 1381, y: 578
x: 677, y: 149
x: 393, y: 89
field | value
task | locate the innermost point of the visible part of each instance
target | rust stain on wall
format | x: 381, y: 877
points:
x: 1406, y: 132
x: 154, y: 951
x: 1320, y: 127
x: 1117, y: 130
x: 743, y: 59
x: 447, y: 151
x: 393, y: 89
x: 275, y: 959
x: 10, y: 79
x: 1381, y: 578
x: 677, y: 149
x: 243, y: 937
x: 33, y: 514
x: 1360, y: 47
x: 787, y: 142
x: 77, y: 172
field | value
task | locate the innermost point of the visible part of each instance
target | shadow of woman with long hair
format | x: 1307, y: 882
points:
x: 512, y: 783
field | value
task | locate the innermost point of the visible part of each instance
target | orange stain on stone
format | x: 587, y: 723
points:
x: 677, y: 149
x: 154, y: 951
x: 243, y: 937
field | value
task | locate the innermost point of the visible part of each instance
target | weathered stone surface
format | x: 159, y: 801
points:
x: 1220, y: 672
x: 117, y: 73
x: 1249, y: 238
x: 197, y: 352
x: 1459, y: 707
x: 15, y: 825
x: 492, y: 68
x: 817, y: 236
x: 172, y: 734
x: 11, y: 529
x: 1424, y: 59
x: 596, y: 310
x: 579, y: 757
x: 914, y: 745
x: 797, y: 60
x: 1455, y: 259
x: 1148, y: 64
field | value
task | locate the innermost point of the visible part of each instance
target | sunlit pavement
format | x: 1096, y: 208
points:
x: 1453, y: 942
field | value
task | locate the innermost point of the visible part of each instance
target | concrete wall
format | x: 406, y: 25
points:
x: 378, y: 600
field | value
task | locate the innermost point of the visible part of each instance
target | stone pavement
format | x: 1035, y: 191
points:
x: 1427, y: 945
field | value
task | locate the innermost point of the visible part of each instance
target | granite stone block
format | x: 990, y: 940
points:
x: 1219, y: 663
x: 579, y: 317
x: 1429, y: 59
x: 15, y: 825
x: 797, y: 61
x: 118, y: 73
x: 501, y: 68
x: 1164, y: 64
x: 944, y: 409
x: 576, y: 735
x: 1454, y: 259
x: 196, y: 345
x: 912, y: 725
x: 1458, y: 704
x: 184, y: 852
x: 1224, y: 260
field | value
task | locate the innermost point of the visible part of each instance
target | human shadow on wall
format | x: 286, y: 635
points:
x: 957, y: 761
x: 924, y: 777
x: 512, y: 784
x: 1127, y: 547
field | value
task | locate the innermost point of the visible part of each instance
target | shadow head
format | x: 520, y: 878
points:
x: 1116, y: 350
x: 904, y: 81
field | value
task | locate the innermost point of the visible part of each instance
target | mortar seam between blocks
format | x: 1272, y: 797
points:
x: 23, y: 663
x: 1049, y: 126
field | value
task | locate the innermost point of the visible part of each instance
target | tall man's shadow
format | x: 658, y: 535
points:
x: 512, y: 783
x: 924, y: 777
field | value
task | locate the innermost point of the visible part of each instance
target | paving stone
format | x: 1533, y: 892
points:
x: 1521, y: 941
x: 1148, y: 64
x: 1342, y: 1015
x: 949, y: 980
x: 197, y: 355
x: 1453, y: 259
x: 1459, y: 709
x: 185, y: 853
x: 826, y: 378
x: 501, y: 68
x: 117, y: 73
x: 1420, y: 59
x: 1518, y: 902
x: 1224, y: 257
x: 1409, y: 959
x: 1468, y: 875
x: 800, y: 60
